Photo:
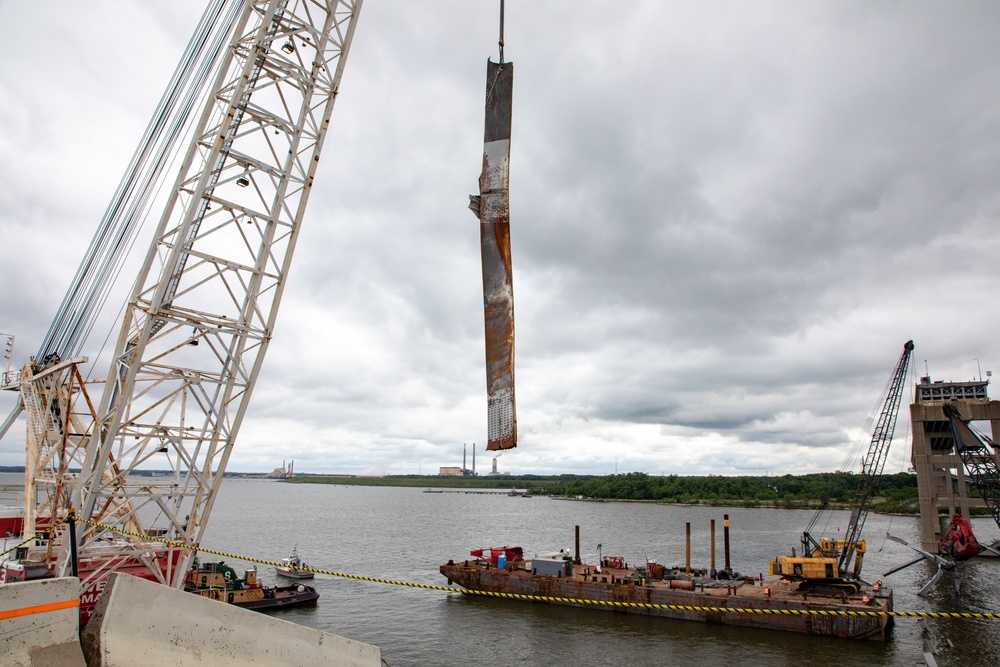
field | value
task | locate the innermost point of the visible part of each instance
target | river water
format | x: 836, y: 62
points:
x: 405, y: 534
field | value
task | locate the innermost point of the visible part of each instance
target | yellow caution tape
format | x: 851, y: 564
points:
x: 578, y: 601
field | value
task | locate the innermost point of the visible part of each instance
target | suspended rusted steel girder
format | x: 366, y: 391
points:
x: 492, y: 206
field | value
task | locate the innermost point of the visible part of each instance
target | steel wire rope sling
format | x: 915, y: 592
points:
x: 549, y: 598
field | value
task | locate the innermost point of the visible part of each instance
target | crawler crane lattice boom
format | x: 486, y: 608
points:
x: 836, y: 564
x: 203, y: 309
x: 978, y: 454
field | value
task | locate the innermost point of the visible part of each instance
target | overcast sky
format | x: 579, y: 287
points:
x: 726, y: 220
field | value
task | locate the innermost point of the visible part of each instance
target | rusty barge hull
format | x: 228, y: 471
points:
x: 613, y: 586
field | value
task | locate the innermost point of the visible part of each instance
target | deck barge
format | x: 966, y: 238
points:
x: 680, y: 589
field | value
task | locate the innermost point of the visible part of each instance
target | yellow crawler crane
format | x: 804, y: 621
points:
x: 820, y: 568
x: 835, y: 565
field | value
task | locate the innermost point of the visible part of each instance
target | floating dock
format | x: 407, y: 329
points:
x: 767, y: 604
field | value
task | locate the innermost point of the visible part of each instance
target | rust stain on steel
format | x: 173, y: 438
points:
x: 492, y: 206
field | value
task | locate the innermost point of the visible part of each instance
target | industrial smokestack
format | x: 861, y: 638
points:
x: 473, y: 458
x: 465, y: 448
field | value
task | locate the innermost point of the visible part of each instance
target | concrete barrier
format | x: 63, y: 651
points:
x: 138, y: 622
x: 40, y: 623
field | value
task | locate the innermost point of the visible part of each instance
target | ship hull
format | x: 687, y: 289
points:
x: 11, y: 521
x: 92, y: 585
x: 218, y: 581
x: 284, y: 596
x: 608, y: 589
x: 293, y: 574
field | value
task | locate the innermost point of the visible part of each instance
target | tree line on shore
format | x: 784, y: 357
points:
x: 819, y: 489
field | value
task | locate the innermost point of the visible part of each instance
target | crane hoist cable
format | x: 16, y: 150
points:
x: 130, y: 203
x: 501, y: 32
x: 117, y: 231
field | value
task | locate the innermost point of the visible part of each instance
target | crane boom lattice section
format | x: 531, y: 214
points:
x: 978, y: 454
x: 834, y: 565
x: 874, y: 461
x: 203, y: 307
x: 61, y: 418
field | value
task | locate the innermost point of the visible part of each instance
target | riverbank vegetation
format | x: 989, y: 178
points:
x: 897, y: 492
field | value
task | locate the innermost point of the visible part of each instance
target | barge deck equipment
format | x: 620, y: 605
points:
x: 770, y: 604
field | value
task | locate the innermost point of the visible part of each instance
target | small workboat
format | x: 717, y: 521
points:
x: 218, y: 581
x: 292, y: 567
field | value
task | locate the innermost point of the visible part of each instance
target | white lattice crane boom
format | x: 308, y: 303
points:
x: 204, y: 304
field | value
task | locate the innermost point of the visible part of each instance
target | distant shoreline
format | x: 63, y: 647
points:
x: 833, y: 491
